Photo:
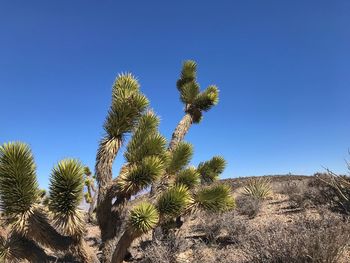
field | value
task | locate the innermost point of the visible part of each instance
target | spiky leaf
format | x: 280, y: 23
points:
x: 18, y: 185
x: 207, y: 99
x: 210, y: 170
x: 144, y: 217
x: 136, y: 177
x: 66, y: 193
x: 174, y: 201
x: 145, y: 141
x: 189, y: 92
x: 152, y: 145
x: 216, y: 198
x: 87, y: 171
x: 259, y: 188
x: 180, y: 157
x: 188, y: 74
x: 128, y: 103
x: 188, y: 177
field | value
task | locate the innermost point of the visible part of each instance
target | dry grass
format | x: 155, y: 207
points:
x: 322, y: 240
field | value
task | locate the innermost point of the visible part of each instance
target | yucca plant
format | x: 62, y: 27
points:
x: 259, y: 188
x: 150, y: 162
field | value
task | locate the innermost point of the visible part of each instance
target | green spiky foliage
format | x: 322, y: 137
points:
x: 145, y: 155
x: 259, y: 188
x: 127, y: 105
x: 146, y: 140
x: 195, y: 101
x: 210, y: 170
x: 66, y: 193
x: 189, y: 177
x: 18, y: 185
x: 144, y: 217
x: 179, y: 157
x: 174, y: 201
x: 137, y: 177
x: 216, y: 198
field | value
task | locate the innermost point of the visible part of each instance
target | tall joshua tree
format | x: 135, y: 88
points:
x: 149, y: 160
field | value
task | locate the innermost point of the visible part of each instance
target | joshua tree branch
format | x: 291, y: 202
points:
x: 20, y: 247
x: 123, y: 244
x: 181, y: 130
x: 42, y: 232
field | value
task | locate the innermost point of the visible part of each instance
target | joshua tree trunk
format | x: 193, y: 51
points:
x: 181, y: 130
x: 123, y: 244
x: 92, y: 206
x: 106, y: 219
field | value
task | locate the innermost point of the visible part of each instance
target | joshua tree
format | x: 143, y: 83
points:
x: 91, y: 193
x: 149, y: 161
x: 31, y: 228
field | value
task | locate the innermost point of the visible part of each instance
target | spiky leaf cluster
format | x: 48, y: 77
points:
x: 190, y: 94
x: 136, y: 177
x: 174, y: 201
x: 128, y: 103
x: 216, y: 198
x: 180, y: 157
x: 146, y: 140
x: 66, y: 193
x: 145, y: 155
x: 144, y: 217
x: 210, y: 170
x: 188, y: 177
x: 259, y: 188
x: 87, y: 171
x: 18, y: 185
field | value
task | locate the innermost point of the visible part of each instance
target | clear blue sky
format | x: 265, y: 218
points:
x: 283, y: 68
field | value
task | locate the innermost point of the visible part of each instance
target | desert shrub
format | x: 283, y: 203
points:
x: 165, y: 251
x: 259, y: 188
x: 334, y: 190
x: 300, y: 195
x: 322, y: 240
x: 248, y: 205
x: 220, y: 230
x: 158, y: 253
x: 311, y: 192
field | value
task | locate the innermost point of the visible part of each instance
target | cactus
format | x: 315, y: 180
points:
x: 150, y: 161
